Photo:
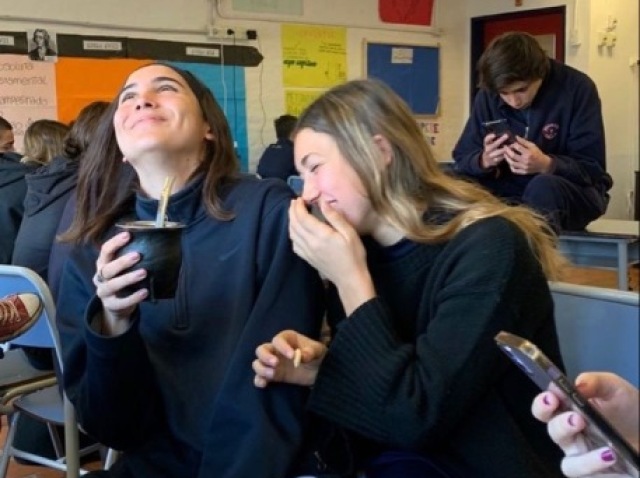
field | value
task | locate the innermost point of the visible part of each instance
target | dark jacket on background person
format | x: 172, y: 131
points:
x: 176, y: 391
x: 48, y: 190
x: 60, y: 251
x: 564, y: 121
x: 277, y: 160
x: 13, y: 189
x: 425, y: 375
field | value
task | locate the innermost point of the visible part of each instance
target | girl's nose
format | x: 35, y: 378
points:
x: 144, y: 100
x: 309, y: 191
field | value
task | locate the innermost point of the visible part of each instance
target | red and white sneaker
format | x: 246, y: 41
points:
x: 18, y: 313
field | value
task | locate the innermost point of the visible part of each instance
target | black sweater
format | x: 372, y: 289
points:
x: 417, y: 367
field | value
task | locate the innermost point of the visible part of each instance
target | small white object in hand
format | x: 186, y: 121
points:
x: 297, y: 358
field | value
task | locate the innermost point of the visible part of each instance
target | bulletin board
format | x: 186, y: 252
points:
x: 412, y: 71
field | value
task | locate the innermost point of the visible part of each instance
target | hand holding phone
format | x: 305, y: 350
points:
x: 542, y: 371
x: 296, y: 183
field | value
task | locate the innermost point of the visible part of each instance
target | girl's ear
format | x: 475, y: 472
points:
x: 208, y: 134
x: 385, y: 148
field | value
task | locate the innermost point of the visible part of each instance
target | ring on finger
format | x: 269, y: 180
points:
x: 99, y: 277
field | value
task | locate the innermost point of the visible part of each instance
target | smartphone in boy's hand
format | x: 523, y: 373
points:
x: 499, y: 127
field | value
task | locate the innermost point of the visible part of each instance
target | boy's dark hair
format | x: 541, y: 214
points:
x: 5, y: 125
x: 284, y: 126
x: 511, y: 57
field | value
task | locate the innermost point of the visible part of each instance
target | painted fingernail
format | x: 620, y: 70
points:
x: 545, y: 399
x: 607, y: 455
x: 571, y: 419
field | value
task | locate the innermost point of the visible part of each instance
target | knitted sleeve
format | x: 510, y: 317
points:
x: 413, y: 393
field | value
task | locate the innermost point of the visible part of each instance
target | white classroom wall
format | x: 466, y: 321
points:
x: 188, y: 20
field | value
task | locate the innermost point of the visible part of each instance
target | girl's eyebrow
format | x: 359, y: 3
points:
x: 303, y: 161
x: 157, y: 79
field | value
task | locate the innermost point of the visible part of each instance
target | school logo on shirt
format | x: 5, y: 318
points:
x: 550, y: 131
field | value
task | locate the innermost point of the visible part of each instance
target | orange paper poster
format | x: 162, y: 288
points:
x: 79, y: 81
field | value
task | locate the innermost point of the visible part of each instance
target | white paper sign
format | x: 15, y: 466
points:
x: 27, y: 92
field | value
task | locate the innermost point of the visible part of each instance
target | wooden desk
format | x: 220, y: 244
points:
x: 605, y: 244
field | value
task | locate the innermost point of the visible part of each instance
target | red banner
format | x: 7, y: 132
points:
x: 406, y: 12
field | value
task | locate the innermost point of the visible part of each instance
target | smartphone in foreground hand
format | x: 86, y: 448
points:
x: 599, y: 432
x: 296, y: 183
x: 499, y: 127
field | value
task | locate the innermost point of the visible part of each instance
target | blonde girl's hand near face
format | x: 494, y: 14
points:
x: 109, y: 280
x: 334, y: 249
x: 277, y: 362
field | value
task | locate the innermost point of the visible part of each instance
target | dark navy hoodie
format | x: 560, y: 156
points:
x: 564, y: 121
x: 175, y: 391
x: 12, y: 191
x: 48, y: 190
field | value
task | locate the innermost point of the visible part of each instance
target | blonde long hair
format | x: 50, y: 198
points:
x: 43, y: 140
x: 413, y: 183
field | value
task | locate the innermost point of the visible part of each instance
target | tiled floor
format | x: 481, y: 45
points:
x: 583, y: 276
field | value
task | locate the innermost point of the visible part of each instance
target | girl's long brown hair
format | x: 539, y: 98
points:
x: 106, y: 183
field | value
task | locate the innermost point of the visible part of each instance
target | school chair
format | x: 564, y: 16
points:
x: 33, y: 392
x: 598, y: 329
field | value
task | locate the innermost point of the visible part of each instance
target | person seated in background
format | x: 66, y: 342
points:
x: 49, y: 188
x: 424, y: 270
x: 615, y: 398
x: 6, y: 137
x: 550, y: 154
x: 13, y: 189
x: 18, y: 313
x: 277, y: 160
x: 43, y: 140
x: 168, y: 381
